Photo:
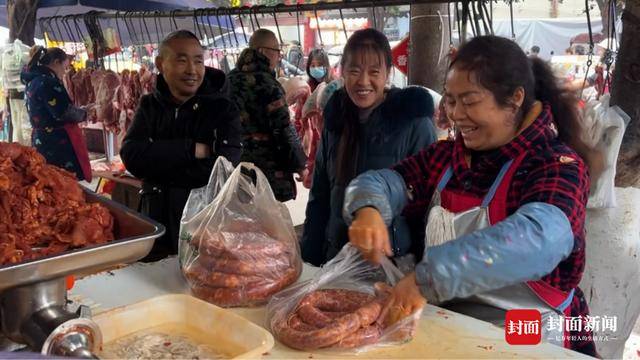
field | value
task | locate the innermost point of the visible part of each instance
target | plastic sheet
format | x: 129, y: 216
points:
x: 604, y: 128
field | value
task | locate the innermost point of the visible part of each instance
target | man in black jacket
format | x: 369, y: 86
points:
x: 178, y: 132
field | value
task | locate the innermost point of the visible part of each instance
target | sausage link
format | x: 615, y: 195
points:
x: 256, y: 294
x: 227, y: 244
x: 247, y: 265
x: 364, y: 336
x: 198, y: 274
x: 321, y: 307
x: 331, y: 317
x: 319, y: 338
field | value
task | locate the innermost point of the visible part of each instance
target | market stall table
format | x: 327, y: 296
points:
x: 126, y: 188
x: 441, y: 333
x: 118, y: 178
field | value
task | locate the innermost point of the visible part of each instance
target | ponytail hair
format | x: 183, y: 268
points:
x: 41, y: 56
x: 500, y: 66
x: 565, y: 113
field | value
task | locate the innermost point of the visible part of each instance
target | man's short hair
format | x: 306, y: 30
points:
x: 175, y: 35
x: 260, y: 37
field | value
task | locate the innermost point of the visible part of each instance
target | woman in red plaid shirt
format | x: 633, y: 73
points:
x: 504, y: 203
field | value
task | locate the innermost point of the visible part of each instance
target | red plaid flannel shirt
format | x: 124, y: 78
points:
x: 551, y: 173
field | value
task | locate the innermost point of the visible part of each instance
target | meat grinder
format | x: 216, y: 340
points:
x: 37, y: 315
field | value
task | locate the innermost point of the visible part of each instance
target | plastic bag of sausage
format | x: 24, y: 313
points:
x: 340, y: 308
x: 237, y: 244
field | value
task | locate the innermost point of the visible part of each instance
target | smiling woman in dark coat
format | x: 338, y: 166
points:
x: 367, y: 126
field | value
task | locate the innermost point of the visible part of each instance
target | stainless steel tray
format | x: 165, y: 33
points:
x: 134, y: 233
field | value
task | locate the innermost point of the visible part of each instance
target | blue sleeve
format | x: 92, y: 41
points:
x: 318, y: 209
x: 525, y: 246
x: 423, y: 135
x: 382, y: 189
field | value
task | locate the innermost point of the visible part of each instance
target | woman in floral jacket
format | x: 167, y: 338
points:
x: 54, y: 119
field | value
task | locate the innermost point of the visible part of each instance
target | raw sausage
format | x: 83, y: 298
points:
x: 241, y: 265
x: 255, y: 294
x: 200, y: 275
x: 250, y: 265
x: 331, y: 318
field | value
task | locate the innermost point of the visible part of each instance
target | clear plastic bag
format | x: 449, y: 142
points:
x: 237, y: 243
x: 604, y: 127
x: 340, y: 308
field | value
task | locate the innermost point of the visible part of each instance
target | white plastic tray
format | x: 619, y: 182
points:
x: 220, y: 328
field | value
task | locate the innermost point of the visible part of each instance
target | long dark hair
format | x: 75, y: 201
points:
x: 41, y: 56
x: 361, y: 42
x: 500, y: 66
x: 321, y: 55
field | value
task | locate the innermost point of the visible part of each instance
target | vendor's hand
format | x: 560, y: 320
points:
x: 203, y: 151
x: 404, y: 299
x: 369, y: 234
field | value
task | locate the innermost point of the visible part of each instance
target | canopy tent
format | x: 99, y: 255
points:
x: 551, y: 35
x: 133, y: 31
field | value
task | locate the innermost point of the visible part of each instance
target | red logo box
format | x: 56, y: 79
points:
x: 523, y: 327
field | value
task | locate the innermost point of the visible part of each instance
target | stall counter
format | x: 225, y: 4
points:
x: 441, y: 333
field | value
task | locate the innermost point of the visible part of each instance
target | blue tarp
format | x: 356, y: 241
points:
x: 133, y: 31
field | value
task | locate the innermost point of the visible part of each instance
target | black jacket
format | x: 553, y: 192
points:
x: 400, y: 127
x: 159, y: 147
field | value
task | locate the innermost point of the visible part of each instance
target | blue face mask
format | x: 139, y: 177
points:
x: 318, y: 73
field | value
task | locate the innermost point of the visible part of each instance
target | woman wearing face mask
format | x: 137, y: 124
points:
x: 54, y: 119
x: 318, y: 68
x: 366, y: 126
x: 505, y: 201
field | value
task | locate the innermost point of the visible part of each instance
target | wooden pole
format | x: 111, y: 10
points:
x: 429, y: 45
x: 625, y: 92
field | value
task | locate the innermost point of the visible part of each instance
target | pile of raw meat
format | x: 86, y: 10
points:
x: 110, y: 98
x: 43, y: 211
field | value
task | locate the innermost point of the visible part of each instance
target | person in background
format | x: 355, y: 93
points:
x: 295, y: 56
x: 366, y: 126
x: 318, y: 68
x: 505, y: 200
x: 580, y: 50
x: 177, y: 134
x: 54, y: 119
x: 312, y: 123
x: 535, y: 51
x: 270, y: 140
x: 309, y: 122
